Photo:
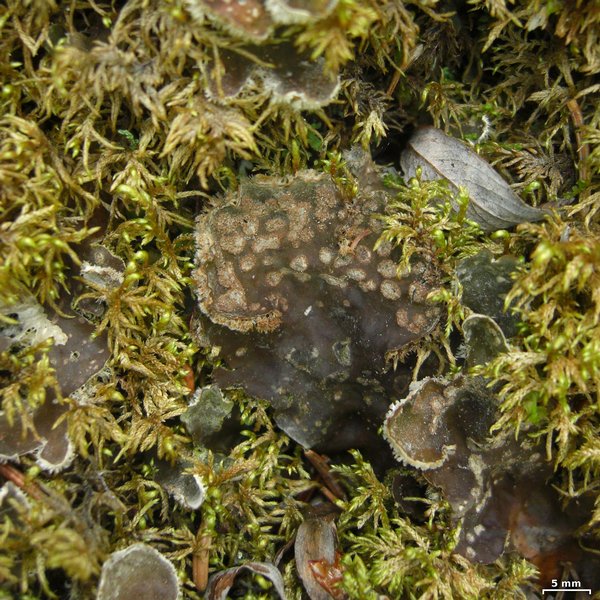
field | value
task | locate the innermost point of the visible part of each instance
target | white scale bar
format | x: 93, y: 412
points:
x: 588, y: 590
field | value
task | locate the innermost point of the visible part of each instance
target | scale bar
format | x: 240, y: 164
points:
x: 588, y: 590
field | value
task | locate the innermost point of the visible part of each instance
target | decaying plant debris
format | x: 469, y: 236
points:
x: 128, y: 129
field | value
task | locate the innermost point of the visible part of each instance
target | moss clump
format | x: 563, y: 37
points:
x: 384, y: 550
x: 551, y: 377
x: 428, y: 219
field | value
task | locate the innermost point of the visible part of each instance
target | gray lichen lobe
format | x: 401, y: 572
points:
x: 302, y: 308
x: 291, y: 77
x: 138, y: 571
x: 443, y: 429
x: 75, y: 355
x: 486, y: 282
x: 256, y: 19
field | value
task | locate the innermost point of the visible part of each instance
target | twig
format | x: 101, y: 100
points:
x: 320, y: 464
x: 18, y: 478
x: 582, y: 148
x: 200, y: 561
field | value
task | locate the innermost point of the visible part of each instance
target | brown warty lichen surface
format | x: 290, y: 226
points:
x: 304, y: 310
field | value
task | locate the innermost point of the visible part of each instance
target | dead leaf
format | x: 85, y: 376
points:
x: 329, y: 575
x: 493, y: 203
x: 316, y: 558
x: 220, y: 583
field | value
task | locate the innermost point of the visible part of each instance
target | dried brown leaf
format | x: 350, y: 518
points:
x: 493, y: 203
x: 315, y: 553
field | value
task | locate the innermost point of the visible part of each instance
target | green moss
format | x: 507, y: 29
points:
x: 427, y: 219
x: 551, y: 378
x: 384, y: 550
